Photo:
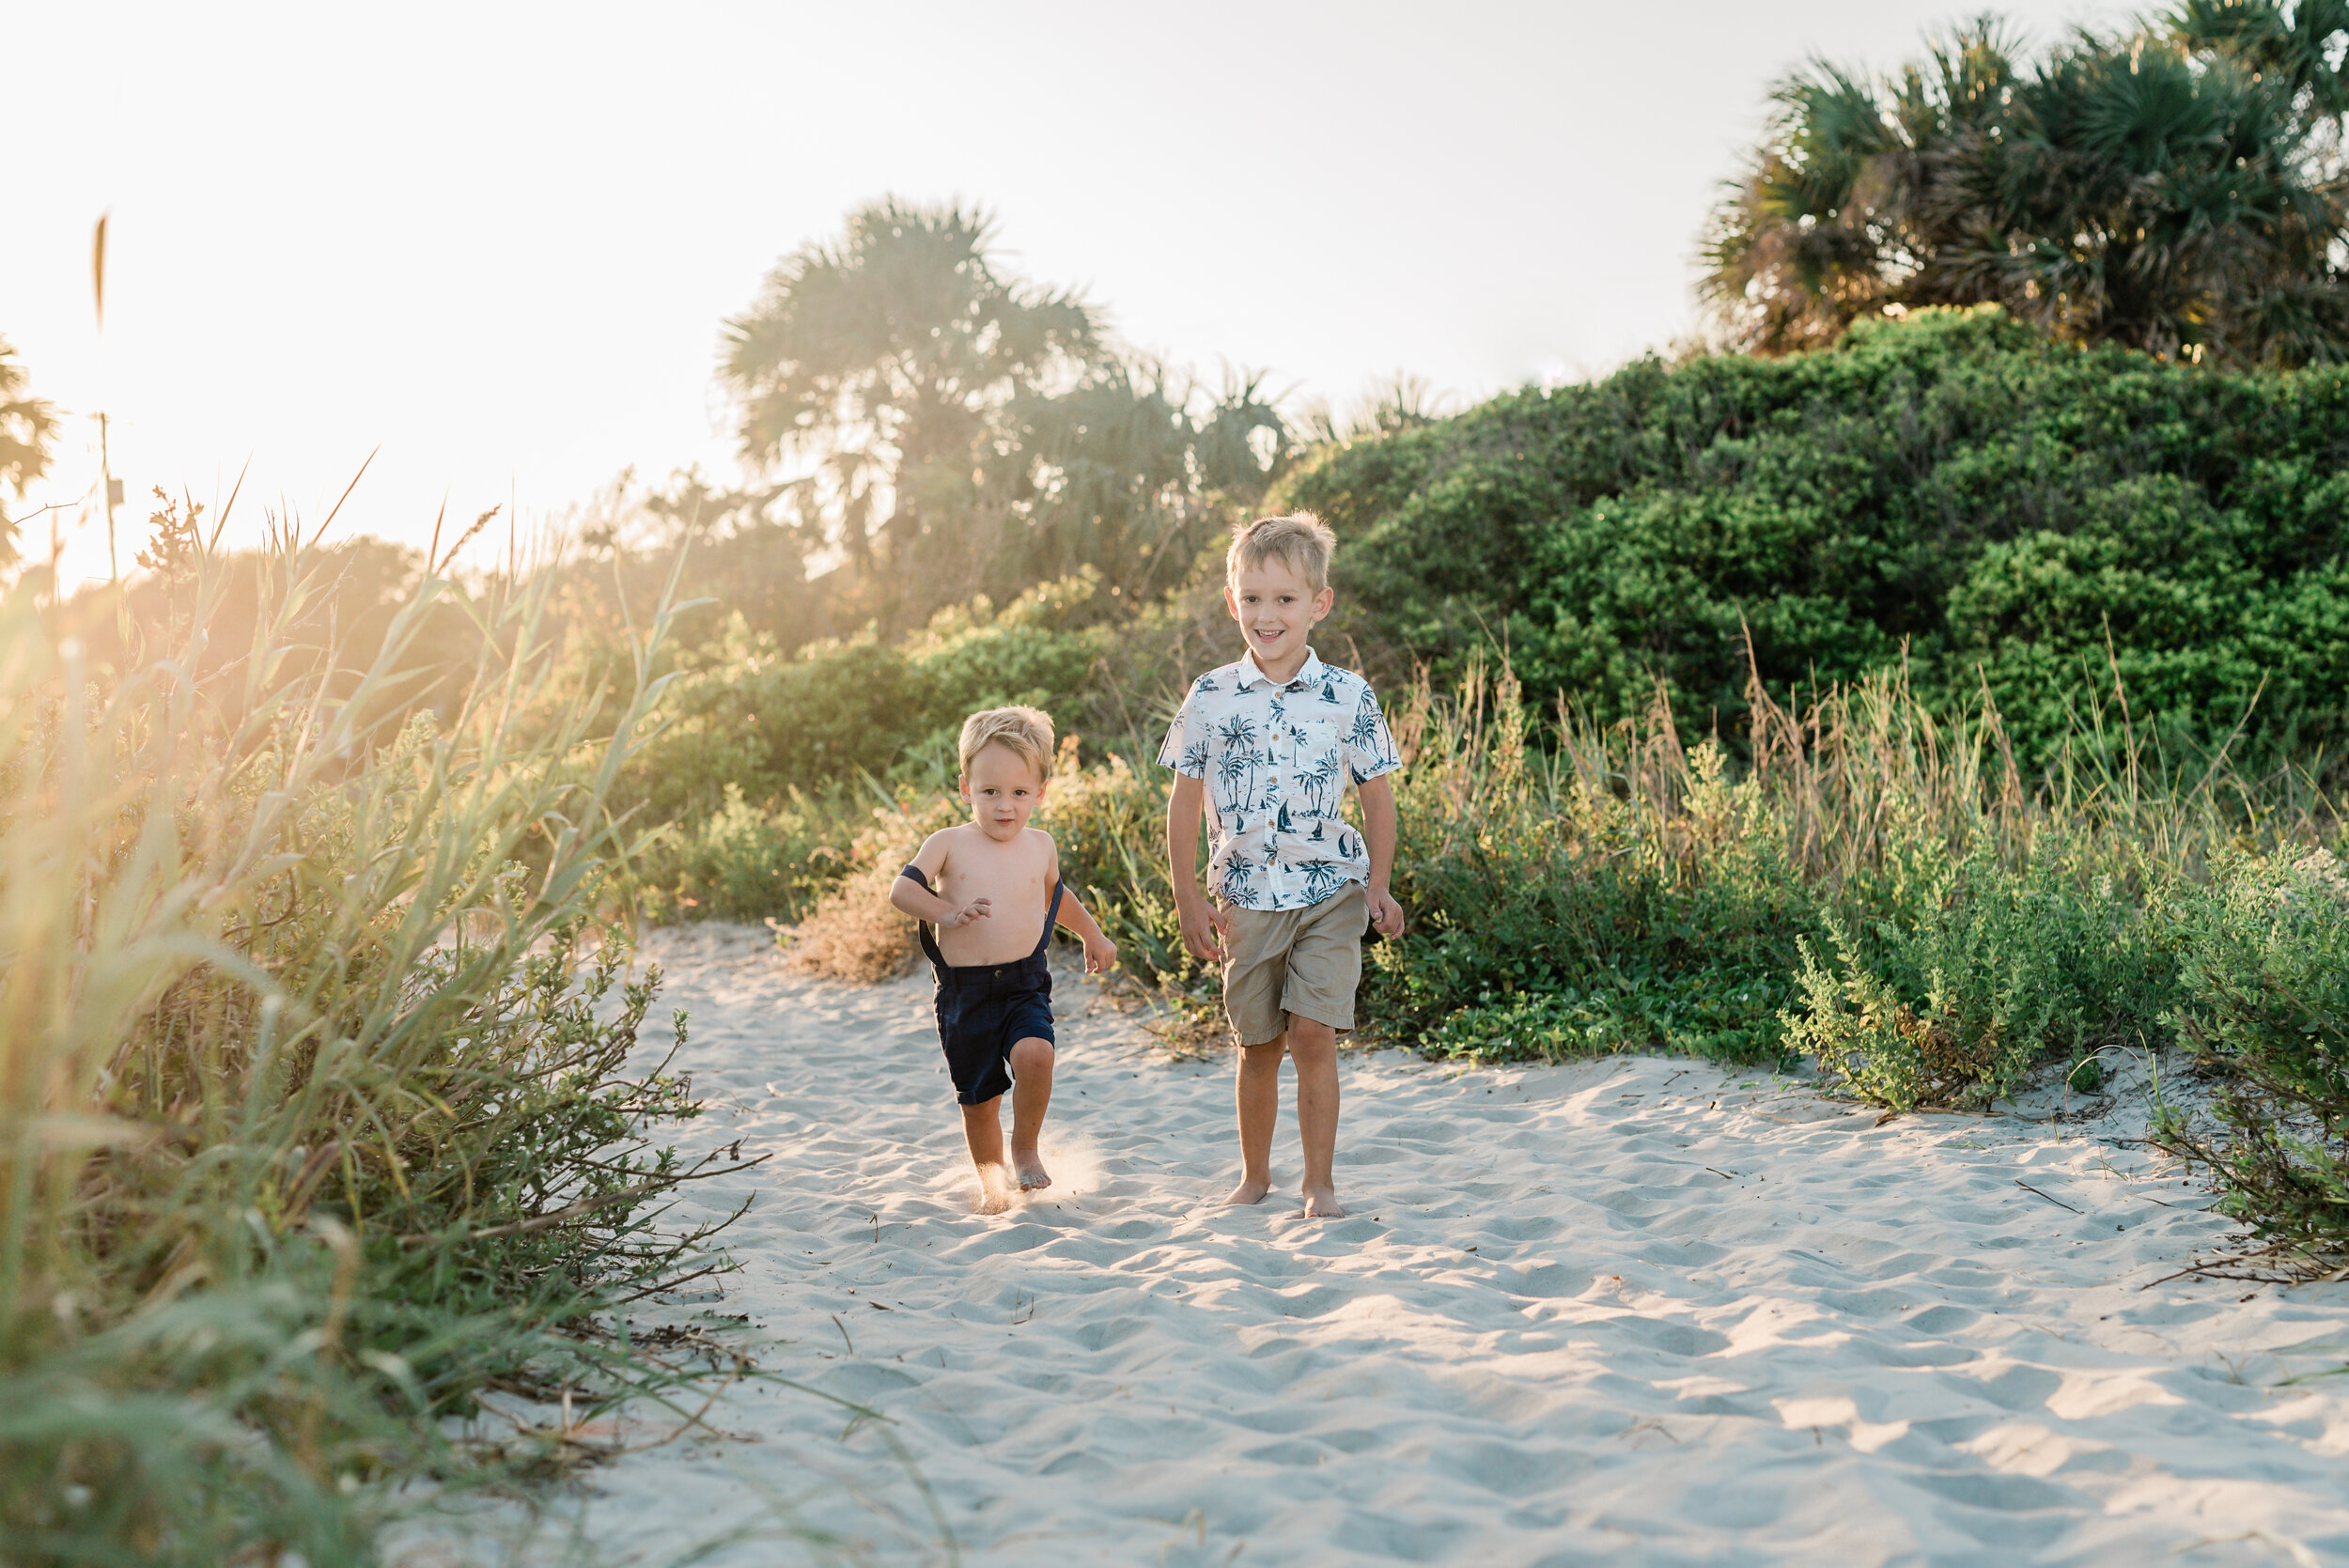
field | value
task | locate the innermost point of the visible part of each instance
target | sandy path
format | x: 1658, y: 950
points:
x: 1636, y: 1310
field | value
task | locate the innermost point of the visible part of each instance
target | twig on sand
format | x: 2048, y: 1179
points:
x: 2211, y: 1269
x: 844, y: 1333
x: 2049, y: 1196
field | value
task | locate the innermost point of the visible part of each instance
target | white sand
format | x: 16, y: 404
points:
x: 1636, y: 1310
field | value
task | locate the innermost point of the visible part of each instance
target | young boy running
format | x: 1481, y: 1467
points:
x: 1267, y: 745
x: 992, y: 888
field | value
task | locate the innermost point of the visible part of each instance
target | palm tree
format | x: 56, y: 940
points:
x: 1319, y: 782
x: 890, y: 358
x: 1230, y: 769
x: 977, y: 430
x: 1131, y: 470
x: 2180, y: 191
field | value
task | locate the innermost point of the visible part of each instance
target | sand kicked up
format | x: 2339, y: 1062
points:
x: 1634, y: 1310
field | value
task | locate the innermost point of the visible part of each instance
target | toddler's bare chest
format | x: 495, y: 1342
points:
x: 1017, y: 899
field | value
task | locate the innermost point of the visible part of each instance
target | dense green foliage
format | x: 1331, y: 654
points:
x: 2178, y: 188
x: 1953, y: 491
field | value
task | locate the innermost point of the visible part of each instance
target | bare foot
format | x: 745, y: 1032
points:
x: 1250, y: 1191
x: 1030, y: 1170
x: 1321, y: 1203
x: 994, y: 1190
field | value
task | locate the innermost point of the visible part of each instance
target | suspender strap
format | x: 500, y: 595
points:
x: 1051, y: 918
x: 929, y: 942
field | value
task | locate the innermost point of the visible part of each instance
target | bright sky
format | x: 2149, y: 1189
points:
x: 497, y: 242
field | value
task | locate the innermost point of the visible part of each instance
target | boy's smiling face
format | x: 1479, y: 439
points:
x: 1004, y: 790
x: 1276, y: 610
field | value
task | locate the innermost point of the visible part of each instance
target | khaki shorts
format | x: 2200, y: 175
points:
x: 1301, y: 961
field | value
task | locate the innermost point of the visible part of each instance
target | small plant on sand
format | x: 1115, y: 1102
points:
x: 2264, y: 1000
x: 1993, y: 972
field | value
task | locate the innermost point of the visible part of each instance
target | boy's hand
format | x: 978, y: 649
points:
x: 1386, y: 915
x: 1100, y: 955
x: 978, y: 909
x: 1203, y: 931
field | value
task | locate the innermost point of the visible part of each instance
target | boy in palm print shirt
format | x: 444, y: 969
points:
x: 1266, y: 747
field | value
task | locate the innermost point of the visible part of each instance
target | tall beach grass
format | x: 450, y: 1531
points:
x: 318, y: 1119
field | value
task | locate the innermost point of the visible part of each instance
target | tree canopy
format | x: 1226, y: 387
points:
x: 949, y: 429
x: 27, y: 425
x: 2179, y: 189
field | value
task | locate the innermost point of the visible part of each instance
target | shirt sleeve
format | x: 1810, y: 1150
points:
x: 1185, y: 748
x: 1369, y: 748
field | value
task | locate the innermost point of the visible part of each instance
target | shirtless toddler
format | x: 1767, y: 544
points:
x: 991, y: 888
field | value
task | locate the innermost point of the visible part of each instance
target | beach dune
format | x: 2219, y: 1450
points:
x: 1638, y: 1310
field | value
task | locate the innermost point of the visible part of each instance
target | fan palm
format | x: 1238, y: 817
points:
x: 896, y: 351
x: 1127, y: 471
x: 2179, y: 190
x: 978, y: 432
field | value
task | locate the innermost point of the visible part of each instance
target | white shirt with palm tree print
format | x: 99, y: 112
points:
x: 1275, y: 760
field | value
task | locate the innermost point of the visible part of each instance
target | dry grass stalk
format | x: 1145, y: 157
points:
x: 855, y: 934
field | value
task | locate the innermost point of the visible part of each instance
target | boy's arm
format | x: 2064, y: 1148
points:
x: 911, y: 897
x: 1202, y: 933
x: 1100, y: 952
x: 1377, y: 797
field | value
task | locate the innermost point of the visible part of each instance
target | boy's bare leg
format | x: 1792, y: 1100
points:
x: 983, y: 1129
x: 1313, y: 1047
x: 1030, y: 1093
x: 1257, y: 1091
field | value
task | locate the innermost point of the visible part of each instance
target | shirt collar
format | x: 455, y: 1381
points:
x: 1251, y: 672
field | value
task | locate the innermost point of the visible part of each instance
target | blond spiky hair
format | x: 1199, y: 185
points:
x: 1299, y: 541
x: 1026, y: 730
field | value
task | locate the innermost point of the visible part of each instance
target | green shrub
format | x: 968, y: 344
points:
x: 1952, y: 491
x: 1107, y: 822
x: 2263, y: 998
x: 747, y: 717
x: 1952, y: 1004
x: 749, y: 862
x: 1565, y: 907
x: 772, y: 764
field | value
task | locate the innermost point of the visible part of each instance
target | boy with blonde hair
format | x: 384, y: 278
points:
x: 992, y: 888
x: 1266, y: 746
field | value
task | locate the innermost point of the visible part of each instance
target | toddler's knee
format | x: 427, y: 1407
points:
x: 1032, y: 1056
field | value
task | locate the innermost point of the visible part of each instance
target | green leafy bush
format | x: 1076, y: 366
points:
x: 748, y: 862
x: 750, y: 718
x: 772, y: 763
x: 1953, y: 490
x: 2263, y: 998
x: 1992, y: 972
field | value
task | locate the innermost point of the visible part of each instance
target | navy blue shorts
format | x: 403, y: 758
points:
x: 985, y: 1010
